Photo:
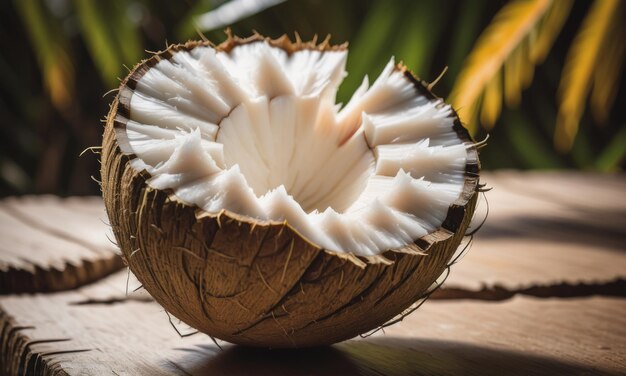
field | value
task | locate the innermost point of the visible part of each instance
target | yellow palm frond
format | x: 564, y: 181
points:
x: 52, y: 52
x: 606, y: 76
x: 549, y: 29
x: 517, y: 39
x: 583, y: 58
x: 492, y: 101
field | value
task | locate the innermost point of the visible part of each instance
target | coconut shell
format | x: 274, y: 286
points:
x: 255, y: 282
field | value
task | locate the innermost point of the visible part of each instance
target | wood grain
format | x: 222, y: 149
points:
x: 86, y: 332
x: 51, y: 244
x: 538, y: 234
x: 561, y: 231
x: 549, y: 234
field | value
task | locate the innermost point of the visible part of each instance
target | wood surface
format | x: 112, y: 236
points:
x: 97, y: 331
x: 546, y: 233
x: 541, y: 291
x: 52, y: 244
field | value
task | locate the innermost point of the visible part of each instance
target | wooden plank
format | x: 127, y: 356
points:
x: 544, y: 229
x: 96, y: 330
x: 51, y: 244
x: 552, y: 230
x: 550, y: 234
x: 523, y: 334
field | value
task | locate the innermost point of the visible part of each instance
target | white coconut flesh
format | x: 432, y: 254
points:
x: 255, y: 131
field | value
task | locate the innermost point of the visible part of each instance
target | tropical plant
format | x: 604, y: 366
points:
x: 520, y: 36
x: 60, y: 56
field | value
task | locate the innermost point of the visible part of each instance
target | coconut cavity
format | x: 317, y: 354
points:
x: 255, y: 130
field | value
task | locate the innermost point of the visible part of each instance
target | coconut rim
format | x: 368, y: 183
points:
x: 456, y: 210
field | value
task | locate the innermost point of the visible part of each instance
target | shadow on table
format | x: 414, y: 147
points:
x: 377, y: 356
x: 598, y: 228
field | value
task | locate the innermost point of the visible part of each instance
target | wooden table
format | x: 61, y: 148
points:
x: 542, y: 291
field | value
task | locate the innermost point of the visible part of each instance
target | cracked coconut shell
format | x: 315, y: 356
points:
x: 261, y: 281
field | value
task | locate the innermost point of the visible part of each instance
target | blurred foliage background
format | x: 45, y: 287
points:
x: 543, y: 78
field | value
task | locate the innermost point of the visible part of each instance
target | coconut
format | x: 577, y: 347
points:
x: 255, y: 209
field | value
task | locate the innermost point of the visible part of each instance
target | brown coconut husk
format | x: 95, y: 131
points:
x: 261, y: 283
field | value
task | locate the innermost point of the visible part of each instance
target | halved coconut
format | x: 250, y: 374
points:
x: 257, y: 210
